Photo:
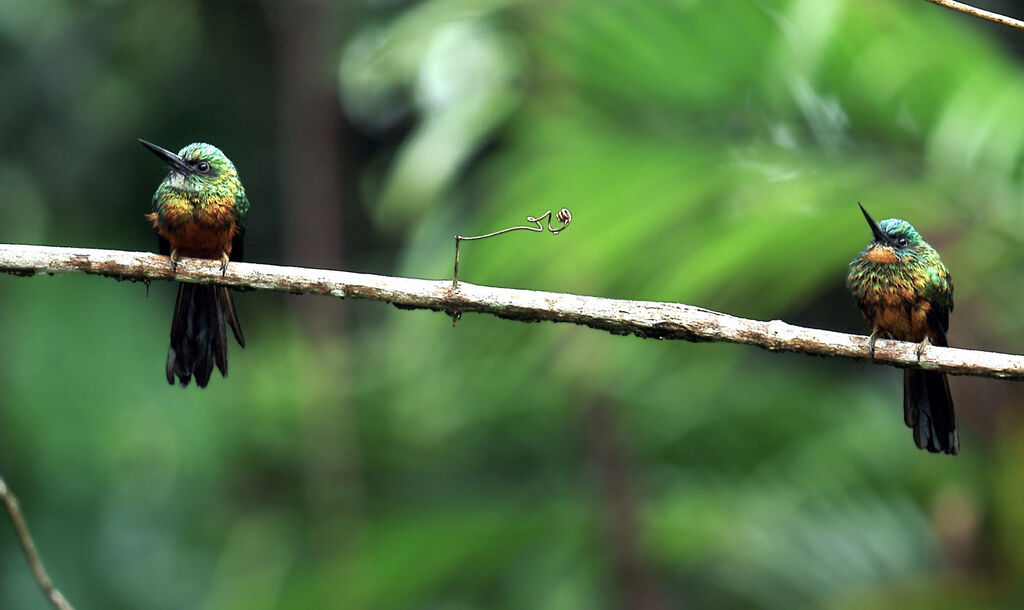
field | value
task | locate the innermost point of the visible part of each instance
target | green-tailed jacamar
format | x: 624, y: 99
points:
x: 906, y: 293
x: 199, y: 211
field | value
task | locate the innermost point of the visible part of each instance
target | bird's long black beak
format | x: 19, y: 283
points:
x: 177, y: 163
x: 880, y: 235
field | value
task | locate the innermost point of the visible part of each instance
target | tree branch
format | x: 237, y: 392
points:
x: 21, y: 530
x: 641, y: 318
x: 980, y: 13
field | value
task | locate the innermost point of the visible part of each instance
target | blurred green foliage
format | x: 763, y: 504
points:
x: 711, y: 153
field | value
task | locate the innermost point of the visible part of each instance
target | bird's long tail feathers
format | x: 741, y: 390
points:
x: 928, y: 410
x: 199, y: 333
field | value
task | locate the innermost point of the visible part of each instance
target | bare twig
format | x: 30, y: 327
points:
x: 980, y: 13
x: 642, y: 318
x: 21, y: 530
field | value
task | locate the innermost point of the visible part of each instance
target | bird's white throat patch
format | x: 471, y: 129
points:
x: 180, y: 182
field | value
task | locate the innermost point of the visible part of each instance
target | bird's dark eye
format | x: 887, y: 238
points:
x: 202, y: 167
x: 901, y: 242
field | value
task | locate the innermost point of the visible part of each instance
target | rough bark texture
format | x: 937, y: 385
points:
x: 641, y: 318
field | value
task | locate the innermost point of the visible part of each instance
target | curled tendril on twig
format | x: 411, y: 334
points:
x: 564, y: 216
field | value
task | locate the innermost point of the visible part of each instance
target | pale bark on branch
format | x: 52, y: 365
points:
x: 28, y: 547
x: 980, y: 13
x: 642, y: 318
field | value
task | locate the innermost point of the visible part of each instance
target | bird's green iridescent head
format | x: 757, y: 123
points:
x: 893, y: 238
x: 198, y: 171
x: 900, y: 233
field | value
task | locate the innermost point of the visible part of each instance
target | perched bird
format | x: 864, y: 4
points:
x: 199, y: 210
x: 906, y: 293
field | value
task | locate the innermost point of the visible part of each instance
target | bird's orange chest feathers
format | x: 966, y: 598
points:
x: 199, y: 231
x: 904, y: 320
x: 881, y: 254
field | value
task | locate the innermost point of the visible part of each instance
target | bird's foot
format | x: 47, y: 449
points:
x: 224, y: 264
x: 871, y: 343
x: 920, y: 348
x: 174, y: 261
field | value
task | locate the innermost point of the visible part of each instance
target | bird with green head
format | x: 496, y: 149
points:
x: 906, y: 293
x: 199, y: 210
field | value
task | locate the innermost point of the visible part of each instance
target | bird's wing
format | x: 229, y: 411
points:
x: 938, y: 323
x: 241, y: 206
x: 940, y: 295
x: 241, y: 211
x: 163, y: 246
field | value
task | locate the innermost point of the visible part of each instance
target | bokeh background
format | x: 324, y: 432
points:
x: 359, y: 456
